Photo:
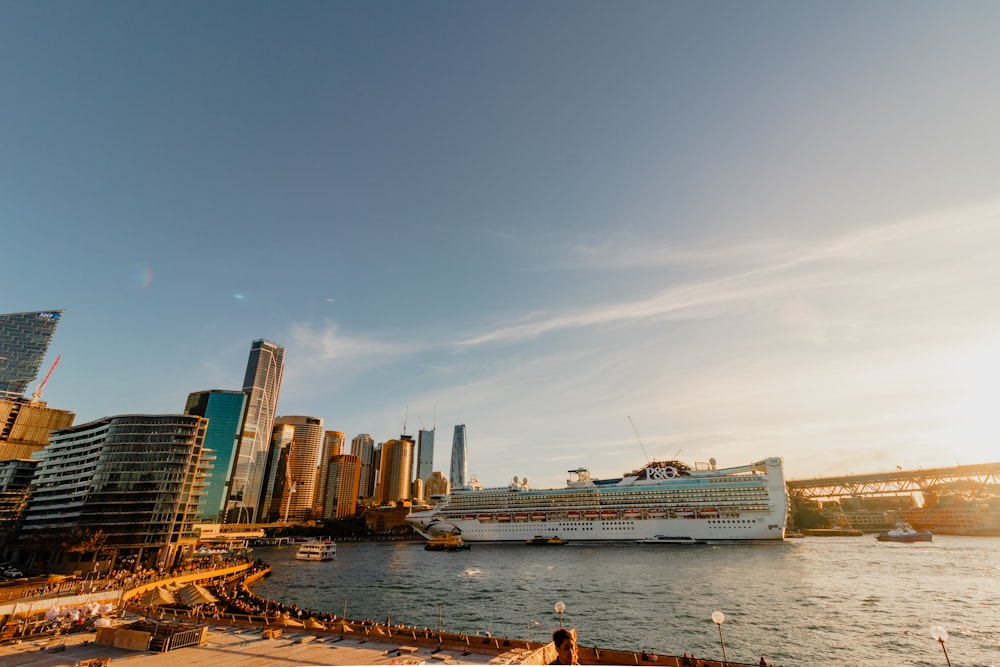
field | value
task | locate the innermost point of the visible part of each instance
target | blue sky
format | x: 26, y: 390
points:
x: 758, y: 229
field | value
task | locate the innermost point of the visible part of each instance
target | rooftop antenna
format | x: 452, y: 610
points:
x: 405, y: 415
x: 634, y: 430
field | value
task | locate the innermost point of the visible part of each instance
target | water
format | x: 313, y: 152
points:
x: 813, y: 601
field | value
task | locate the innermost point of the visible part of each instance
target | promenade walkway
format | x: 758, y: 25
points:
x: 240, y: 640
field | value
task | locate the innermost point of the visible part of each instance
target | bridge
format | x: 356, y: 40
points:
x: 895, y: 483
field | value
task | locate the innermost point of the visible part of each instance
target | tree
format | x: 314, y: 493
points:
x: 84, y: 541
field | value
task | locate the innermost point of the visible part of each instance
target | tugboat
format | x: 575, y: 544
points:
x: 541, y: 541
x: 446, y: 542
x: 904, y: 532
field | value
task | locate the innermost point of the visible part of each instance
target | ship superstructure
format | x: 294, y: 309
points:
x: 666, y: 499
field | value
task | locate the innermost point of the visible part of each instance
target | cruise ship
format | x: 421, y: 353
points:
x: 662, y: 502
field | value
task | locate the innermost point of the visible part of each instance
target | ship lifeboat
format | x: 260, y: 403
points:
x: 609, y: 514
x: 632, y: 514
x: 520, y: 516
x: 573, y: 516
x: 684, y: 512
x: 486, y: 518
x: 470, y: 517
x: 591, y: 514
x: 709, y: 512
x: 503, y: 517
x: 657, y: 513
x: 538, y: 516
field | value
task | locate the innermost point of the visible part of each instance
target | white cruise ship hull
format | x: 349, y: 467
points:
x: 744, y: 504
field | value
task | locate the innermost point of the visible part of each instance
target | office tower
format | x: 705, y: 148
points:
x: 333, y: 445
x: 224, y: 410
x: 276, y: 478
x: 25, y: 426
x: 459, y: 461
x: 136, y: 478
x: 437, y: 485
x: 345, y: 476
x: 300, y: 489
x: 363, y: 446
x: 417, y: 490
x: 396, y: 470
x: 24, y: 340
x: 425, y: 453
x: 262, y: 384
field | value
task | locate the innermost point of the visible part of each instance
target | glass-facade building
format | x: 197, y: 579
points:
x: 224, y: 410
x: 425, y: 454
x: 136, y: 478
x: 363, y: 446
x: 459, y: 461
x: 24, y: 341
x: 261, y: 384
x: 300, y: 490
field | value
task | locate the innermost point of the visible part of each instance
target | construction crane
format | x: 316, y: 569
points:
x: 37, y: 395
x: 634, y: 430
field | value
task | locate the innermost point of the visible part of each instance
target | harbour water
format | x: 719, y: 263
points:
x: 813, y: 601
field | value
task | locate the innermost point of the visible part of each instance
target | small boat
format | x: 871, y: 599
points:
x: 486, y: 518
x: 904, y: 532
x: 657, y: 513
x: 540, y: 540
x: 684, y: 512
x: 632, y: 514
x: 446, y: 542
x: 609, y: 514
x: 709, y: 512
x: 538, y: 516
x: 520, y: 516
x: 317, y: 550
x: 668, y: 539
x: 572, y: 515
x: 591, y: 514
x: 503, y: 518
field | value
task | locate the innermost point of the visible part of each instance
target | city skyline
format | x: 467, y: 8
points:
x: 761, y: 230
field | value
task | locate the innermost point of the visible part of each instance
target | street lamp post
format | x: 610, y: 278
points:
x: 560, y: 608
x: 532, y: 624
x: 719, y: 618
x: 939, y: 633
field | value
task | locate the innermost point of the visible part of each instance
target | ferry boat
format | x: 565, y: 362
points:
x: 745, y: 503
x: 542, y: 541
x: 446, y: 542
x: 317, y: 550
x: 904, y: 532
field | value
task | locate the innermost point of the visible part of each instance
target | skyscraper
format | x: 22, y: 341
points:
x: 425, y: 453
x: 396, y: 470
x: 261, y: 384
x: 300, y: 491
x: 459, y: 476
x: 276, y: 477
x: 224, y: 410
x: 333, y: 445
x: 363, y: 446
x: 24, y: 340
x: 342, y: 498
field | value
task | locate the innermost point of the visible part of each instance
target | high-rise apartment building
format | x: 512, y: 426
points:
x: 425, y: 453
x: 363, y: 446
x: 224, y: 410
x: 396, y: 471
x: 333, y: 445
x: 459, y: 460
x: 342, y: 498
x: 24, y: 340
x: 136, y: 478
x: 15, y: 482
x: 25, y: 426
x: 262, y: 384
x: 307, y: 441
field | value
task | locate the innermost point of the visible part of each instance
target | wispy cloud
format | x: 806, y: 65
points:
x: 777, y: 267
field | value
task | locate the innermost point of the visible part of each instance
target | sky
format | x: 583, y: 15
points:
x: 595, y: 233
